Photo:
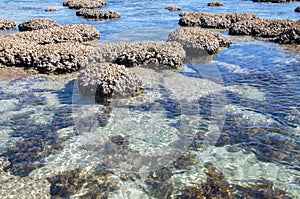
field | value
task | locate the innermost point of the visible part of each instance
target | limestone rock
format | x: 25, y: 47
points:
x: 107, y: 79
x: 194, y: 38
x: 290, y: 36
x: 6, y: 24
x: 97, y: 14
x: 36, y: 24
x: 204, y: 20
x: 157, y: 54
x: 78, y: 4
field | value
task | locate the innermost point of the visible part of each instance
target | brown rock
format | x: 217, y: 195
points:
x: 52, y: 9
x: 6, y: 24
x: 78, y: 4
x: 290, y: 36
x: 36, y: 24
x: 194, y: 38
x: 97, y: 14
x: 173, y: 8
x: 215, y: 3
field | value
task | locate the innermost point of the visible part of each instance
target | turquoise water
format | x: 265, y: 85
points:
x: 239, y: 112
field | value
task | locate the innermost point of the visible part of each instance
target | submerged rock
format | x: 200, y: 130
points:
x: 97, y: 14
x: 194, y: 38
x: 173, y: 8
x: 6, y: 24
x: 144, y: 53
x: 107, y: 79
x: 78, y: 4
x: 36, y: 24
x: 204, y: 20
x: 215, y: 3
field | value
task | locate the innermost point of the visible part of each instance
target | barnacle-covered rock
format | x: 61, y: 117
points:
x: 78, y: 4
x: 36, y: 24
x: 107, y: 79
x: 205, y: 20
x: 97, y: 14
x: 6, y: 24
x: 130, y: 54
x: 215, y: 3
x: 194, y: 38
x: 290, y: 36
x: 173, y: 8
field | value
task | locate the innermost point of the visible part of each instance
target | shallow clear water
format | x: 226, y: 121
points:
x: 243, y: 108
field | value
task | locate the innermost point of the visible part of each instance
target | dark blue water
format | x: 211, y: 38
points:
x: 260, y: 138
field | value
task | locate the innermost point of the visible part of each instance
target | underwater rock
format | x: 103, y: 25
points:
x: 145, y: 53
x: 215, y: 3
x: 107, y: 79
x: 186, y: 160
x: 36, y: 24
x: 52, y: 9
x: 197, y: 39
x: 96, y: 183
x: 204, y: 20
x: 261, y: 27
x: 6, y: 24
x: 78, y: 4
x: 297, y: 9
x: 173, y: 8
x: 97, y: 14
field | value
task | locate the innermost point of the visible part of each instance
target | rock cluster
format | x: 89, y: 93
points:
x: 78, y: 4
x: 194, y: 38
x: 130, y: 54
x: 48, y: 50
x: 6, y: 24
x: 52, y: 9
x: 36, y: 24
x: 173, y: 8
x: 107, y: 79
x: 297, y: 9
x: 204, y: 20
x: 97, y: 14
x: 289, y: 36
x: 215, y: 3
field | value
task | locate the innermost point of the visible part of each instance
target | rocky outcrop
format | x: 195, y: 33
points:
x: 6, y: 24
x: 215, y: 3
x: 36, y: 24
x: 58, y: 50
x: 157, y: 54
x: 98, y: 14
x: 194, y: 38
x: 52, y: 9
x: 74, y: 33
x: 173, y: 8
x: 261, y: 27
x: 290, y: 36
x: 107, y: 79
x: 297, y: 9
x: 204, y: 20
x: 78, y: 4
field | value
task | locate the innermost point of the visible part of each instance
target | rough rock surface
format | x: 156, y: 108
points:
x: 97, y: 14
x: 107, y: 79
x: 48, y: 50
x: 78, y: 4
x: 297, y: 9
x: 194, y: 38
x: 130, y: 54
x: 12, y: 186
x: 204, y: 20
x: 75, y: 33
x: 36, y: 24
x: 52, y: 9
x: 215, y: 3
x: 6, y: 24
x: 173, y: 8
x: 261, y: 27
x: 290, y: 36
